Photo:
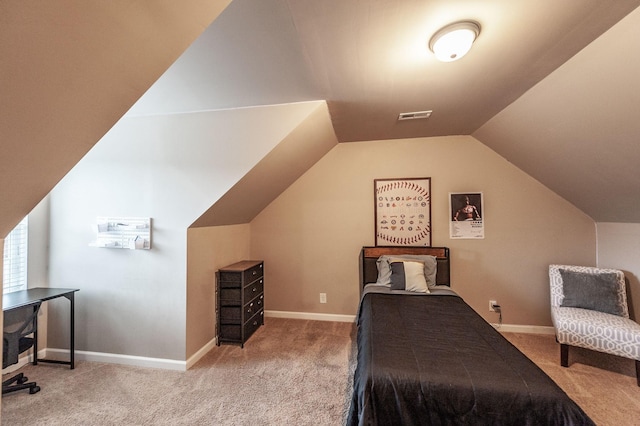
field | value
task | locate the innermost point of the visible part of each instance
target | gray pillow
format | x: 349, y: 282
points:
x: 598, y: 292
x: 384, y: 267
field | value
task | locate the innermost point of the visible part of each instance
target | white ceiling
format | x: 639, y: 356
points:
x: 568, y: 121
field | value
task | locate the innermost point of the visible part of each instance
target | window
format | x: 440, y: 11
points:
x: 15, y: 259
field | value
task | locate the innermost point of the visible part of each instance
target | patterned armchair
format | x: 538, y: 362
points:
x: 589, y: 310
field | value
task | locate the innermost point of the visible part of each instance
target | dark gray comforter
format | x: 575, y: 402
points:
x: 432, y: 360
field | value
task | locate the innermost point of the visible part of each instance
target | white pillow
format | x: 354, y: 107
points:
x: 408, y: 275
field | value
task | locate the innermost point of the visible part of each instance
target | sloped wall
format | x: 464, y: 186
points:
x: 170, y: 168
x: 70, y: 69
x: 294, y: 155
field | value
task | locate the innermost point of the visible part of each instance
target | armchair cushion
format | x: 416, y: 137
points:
x: 597, y: 331
x: 597, y: 292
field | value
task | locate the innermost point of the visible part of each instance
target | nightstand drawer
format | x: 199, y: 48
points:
x: 254, y: 306
x: 252, y: 325
x: 254, y: 289
x: 253, y: 273
x: 260, y: 301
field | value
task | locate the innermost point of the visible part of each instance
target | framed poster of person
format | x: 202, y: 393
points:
x: 466, y: 219
x: 403, y: 212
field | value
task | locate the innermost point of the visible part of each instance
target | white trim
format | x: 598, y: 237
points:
x: 166, y: 364
x: 310, y: 316
x: 138, y: 361
x: 528, y: 329
x: 202, y: 352
x: 509, y: 328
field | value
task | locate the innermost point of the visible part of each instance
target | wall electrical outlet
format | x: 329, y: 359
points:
x: 491, y: 305
x: 323, y: 297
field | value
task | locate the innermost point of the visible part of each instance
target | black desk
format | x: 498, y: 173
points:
x: 35, y: 296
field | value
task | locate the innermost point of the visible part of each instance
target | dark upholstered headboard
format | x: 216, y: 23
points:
x: 369, y: 255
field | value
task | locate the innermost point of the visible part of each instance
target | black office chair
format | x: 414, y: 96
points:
x: 18, y: 324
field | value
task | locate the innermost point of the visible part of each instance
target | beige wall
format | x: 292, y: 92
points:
x: 619, y: 248
x: 310, y: 237
x: 209, y: 249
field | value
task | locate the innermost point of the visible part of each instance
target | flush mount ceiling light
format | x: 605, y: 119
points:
x: 454, y: 41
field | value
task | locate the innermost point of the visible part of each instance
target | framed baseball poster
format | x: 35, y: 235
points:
x: 403, y: 212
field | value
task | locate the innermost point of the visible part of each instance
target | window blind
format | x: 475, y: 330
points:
x: 14, y: 273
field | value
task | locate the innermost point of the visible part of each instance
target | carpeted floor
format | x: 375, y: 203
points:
x: 290, y: 372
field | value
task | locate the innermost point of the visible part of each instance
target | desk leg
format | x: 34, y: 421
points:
x: 72, y: 351
x: 35, y: 339
x: 72, y: 340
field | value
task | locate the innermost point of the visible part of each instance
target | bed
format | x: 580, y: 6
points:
x: 427, y: 358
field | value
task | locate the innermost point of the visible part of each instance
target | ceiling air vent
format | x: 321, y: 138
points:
x: 417, y: 115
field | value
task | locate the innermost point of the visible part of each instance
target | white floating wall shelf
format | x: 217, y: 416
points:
x: 123, y: 233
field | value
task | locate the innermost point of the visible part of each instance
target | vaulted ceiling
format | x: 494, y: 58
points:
x: 549, y: 85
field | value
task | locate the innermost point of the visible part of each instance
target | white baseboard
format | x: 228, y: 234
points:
x: 310, y: 316
x: 202, y: 352
x: 509, y: 328
x: 530, y: 329
x: 170, y: 364
x: 138, y: 361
